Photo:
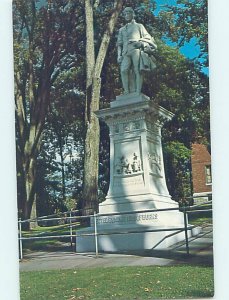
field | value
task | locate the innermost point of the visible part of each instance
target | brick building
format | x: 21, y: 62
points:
x: 201, y: 173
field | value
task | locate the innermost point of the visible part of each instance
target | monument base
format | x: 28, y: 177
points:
x: 113, y: 242
x: 134, y: 231
x: 138, y: 213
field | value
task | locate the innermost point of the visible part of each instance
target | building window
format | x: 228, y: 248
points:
x: 208, y: 174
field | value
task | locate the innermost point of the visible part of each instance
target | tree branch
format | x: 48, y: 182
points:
x: 106, y: 38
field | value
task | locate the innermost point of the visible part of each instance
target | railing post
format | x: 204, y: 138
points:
x: 70, y: 214
x: 96, y: 236
x: 20, y: 239
x: 186, y: 230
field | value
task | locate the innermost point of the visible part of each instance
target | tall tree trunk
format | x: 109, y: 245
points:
x: 33, y: 214
x: 28, y: 147
x: 92, y: 127
x: 93, y: 85
x: 27, y: 192
x: 91, y: 159
x: 62, y: 169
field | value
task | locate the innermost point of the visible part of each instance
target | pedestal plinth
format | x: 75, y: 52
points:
x: 137, y: 180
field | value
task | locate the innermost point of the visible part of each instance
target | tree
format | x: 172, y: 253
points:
x: 94, y: 66
x: 60, y: 160
x: 179, y: 85
x: 45, y: 39
x: 177, y: 169
x: 184, y: 21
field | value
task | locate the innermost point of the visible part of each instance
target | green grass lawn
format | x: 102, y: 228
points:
x: 172, y: 282
x: 200, y: 221
x: 200, y: 218
x: 50, y: 230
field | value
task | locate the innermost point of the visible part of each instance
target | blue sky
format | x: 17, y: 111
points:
x: 191, y: 49
x: 160, y: 4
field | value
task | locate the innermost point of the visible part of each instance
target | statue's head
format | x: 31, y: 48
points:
x: 128, y: 14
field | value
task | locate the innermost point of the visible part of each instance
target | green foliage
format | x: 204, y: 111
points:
x: 177, y: 167
x: 185, y: 21
x: 179, y: 86
x: 61, y: 157
x: 119, y: 283
x: 70, y: 203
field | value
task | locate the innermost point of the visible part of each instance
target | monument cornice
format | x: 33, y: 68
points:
x: 140, y: 109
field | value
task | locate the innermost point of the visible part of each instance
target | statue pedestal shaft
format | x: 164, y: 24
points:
x: 137, y: 180
x: 137, y: 177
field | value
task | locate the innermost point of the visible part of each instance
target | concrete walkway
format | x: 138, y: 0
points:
x: 201, y: 253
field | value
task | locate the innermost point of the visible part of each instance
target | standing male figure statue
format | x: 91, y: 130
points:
x: 135, y: 48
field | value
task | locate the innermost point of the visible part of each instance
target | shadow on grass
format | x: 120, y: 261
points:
x: 48, y: 246
x: 197, y: 293
x: 195, y: 259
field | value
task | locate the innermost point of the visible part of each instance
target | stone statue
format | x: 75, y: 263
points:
x: 135, y: 48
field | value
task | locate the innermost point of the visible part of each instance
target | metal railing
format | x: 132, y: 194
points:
x: 94, y: 232
x: 44, y: 219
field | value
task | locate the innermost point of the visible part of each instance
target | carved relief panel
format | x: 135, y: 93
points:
x: 127, y: 158
x: 155, y: 163
x: 128, y: 164
x: 154, y: 158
